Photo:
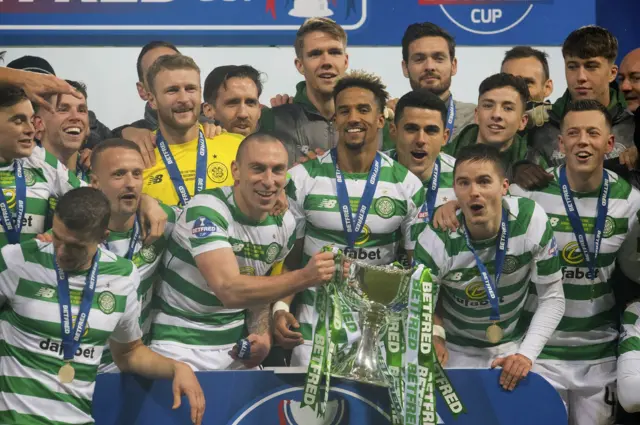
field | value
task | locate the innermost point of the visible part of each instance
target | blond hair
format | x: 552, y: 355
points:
x: 171, y: 63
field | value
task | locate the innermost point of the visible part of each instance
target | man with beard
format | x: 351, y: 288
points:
x: 231, y: 94
x: 186, y: 162
x: 629, y: 79
x: 429, y: 62
x: 117, y: 169
x: 323, y: 192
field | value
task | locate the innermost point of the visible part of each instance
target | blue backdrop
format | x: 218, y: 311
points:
x: 267, y: 398
x: 270, y: 22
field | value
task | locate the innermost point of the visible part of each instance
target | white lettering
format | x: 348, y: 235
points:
x: 485, y: 16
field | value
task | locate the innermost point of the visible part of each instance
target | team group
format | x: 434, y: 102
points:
x: 154, y: 247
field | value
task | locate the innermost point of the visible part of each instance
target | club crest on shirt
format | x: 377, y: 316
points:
x: 385, y: 207
x: 29, y: 177
x: 203, y: 227
x: 107, y: 302
x: 510, y: 265
x: 272, y: 252
x: 217, y: 172
x: 148, y: 254
x: 609, y: 227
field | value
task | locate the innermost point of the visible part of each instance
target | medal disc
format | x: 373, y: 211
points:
x: 494, y: 333
x: 66, y: 373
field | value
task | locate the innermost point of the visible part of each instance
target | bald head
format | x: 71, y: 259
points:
x: 256, y: 138
x: 629, y: 79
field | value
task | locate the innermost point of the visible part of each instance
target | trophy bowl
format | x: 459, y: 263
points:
x: 377, y: 294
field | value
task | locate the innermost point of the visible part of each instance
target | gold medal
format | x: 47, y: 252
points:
x: 66, y: 373
x: 494, y: 333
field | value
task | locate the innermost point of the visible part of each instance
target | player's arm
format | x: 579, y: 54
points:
x: 629, y: 359
x: 259, y: 326
x: 417, y: 197
x: 546, y: 275
x: 220, y: 269
x: 629, y: 253
x: 132, y: 356
x: 8, y: 280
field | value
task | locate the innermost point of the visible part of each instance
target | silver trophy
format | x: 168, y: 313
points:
x: 378, y: 294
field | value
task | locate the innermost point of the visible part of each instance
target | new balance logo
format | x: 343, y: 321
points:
x: 327, y: 203
x: 155, y: 179
x: 46, y: 292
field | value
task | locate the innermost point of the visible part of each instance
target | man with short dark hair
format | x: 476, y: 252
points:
x: 532, y: 65
x: 96, y: 131
x: 499, y: 116
x: 595, y: 216
x: 231, y: 95
x: 589, y: 57
x: 429, y: 62
x: 504, y: 251
x: 80, y: 298
x: 323, y: 192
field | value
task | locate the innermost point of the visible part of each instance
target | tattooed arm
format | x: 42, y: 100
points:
x: 259, y: 326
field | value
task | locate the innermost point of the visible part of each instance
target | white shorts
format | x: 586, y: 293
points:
x: 199, y: 360
x: 629, y: 381
x: 588, y: 390
x: 478, y: 358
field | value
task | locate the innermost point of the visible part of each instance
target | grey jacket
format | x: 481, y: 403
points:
x: 465, y: 115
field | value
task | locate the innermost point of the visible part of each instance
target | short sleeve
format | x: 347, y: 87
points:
x: 416, y: 193
x: 430, y: 250
x: 206, y: 227
x: 8, y: 281
x: 297, y: 179
x: 629, y: 253
x: 546, y: 266
x: 128, y: 328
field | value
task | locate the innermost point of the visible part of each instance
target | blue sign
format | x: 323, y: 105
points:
x: 266, y: 398
x: 274, y: 22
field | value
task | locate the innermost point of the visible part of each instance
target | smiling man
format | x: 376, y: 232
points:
x: 186, y: 162
x: 499, y: 116
x: 231, y: 95
x: 324, y: 192
x: 215, y: 287
x: 67, y: 129
x: 504, y: 251
x: 592, y: 211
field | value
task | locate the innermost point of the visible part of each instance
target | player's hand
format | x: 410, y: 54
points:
x: 444, y: 217
x: 629, y: 157
x: 441, y: 350
x: 281, y: 206
x: 45, y: 237
x: 38, y: 86
x: 146, y: 141
x: 320, y: 268
x: 153, y: 219
x: 531, y: 176
x: 283, y: 322
x: 260, y: 347
x: 85, y: 159
x: 186, y: 383
x: 310, y: 156
x: 514, y: 368
x: 211, y: 130
x: 281, y: 99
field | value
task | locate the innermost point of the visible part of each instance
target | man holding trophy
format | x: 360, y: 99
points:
x: 503, y: 251
x: 322, y: 194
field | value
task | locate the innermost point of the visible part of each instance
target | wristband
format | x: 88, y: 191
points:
x: 439, y: 331
x: 280, y: 305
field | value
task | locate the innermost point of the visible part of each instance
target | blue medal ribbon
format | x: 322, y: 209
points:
x: 11, y: 229
x: 135, y: 236
x: 174, y: 172
x: 81, y: 172
x: 576, y: 223
x: 72, y: 334
x: 451, y: 117
x: 352, y: 230
x: 426, y: 212
x: 491, y: 287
